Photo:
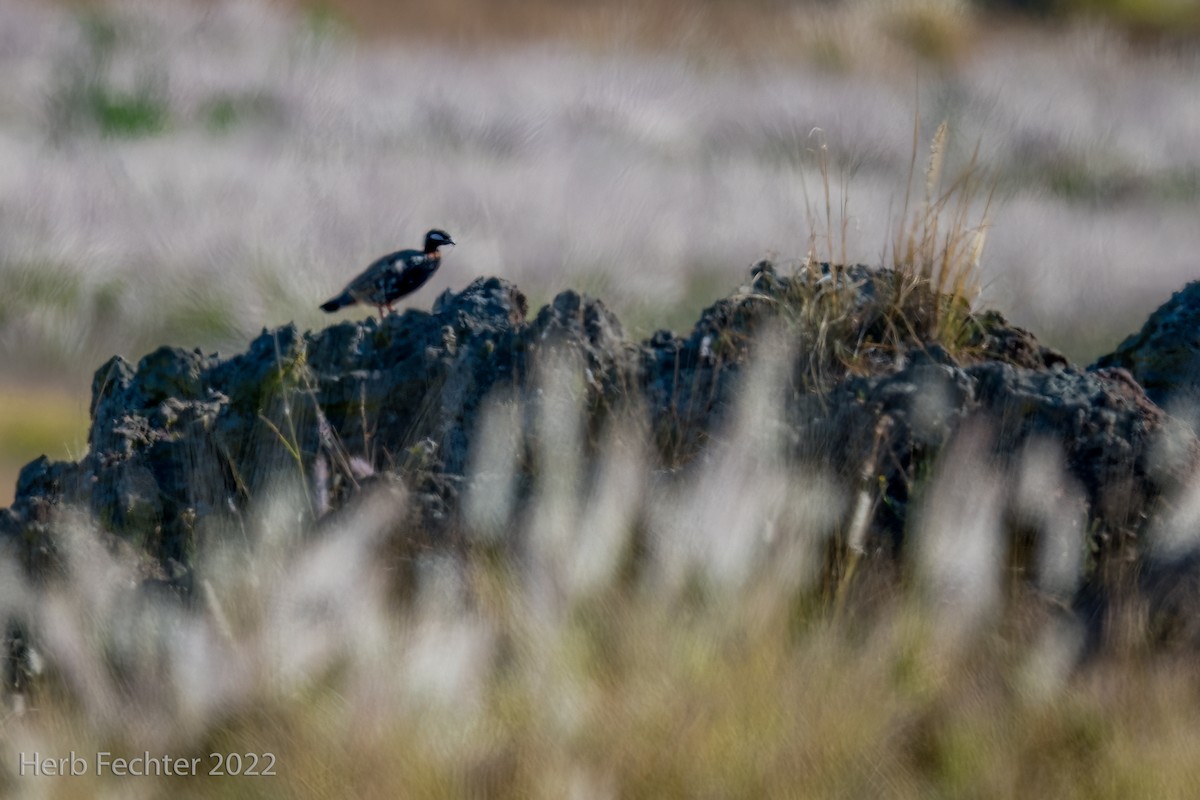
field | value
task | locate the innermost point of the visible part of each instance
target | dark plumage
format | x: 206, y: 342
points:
x: 392, y: 277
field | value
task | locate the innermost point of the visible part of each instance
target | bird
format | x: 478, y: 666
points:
x: 393, y: 276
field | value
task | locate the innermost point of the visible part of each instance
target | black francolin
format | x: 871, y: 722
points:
x: 393, y: 276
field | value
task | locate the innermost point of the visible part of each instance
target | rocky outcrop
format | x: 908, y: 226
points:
x: 184, y: 440
x: 1164, y: 356
x: 1103, y: 423
x: 183, y: 437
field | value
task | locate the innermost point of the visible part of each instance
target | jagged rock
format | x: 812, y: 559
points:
x: 1107, y: 430
x: 184, y: 436
x: 1164, y: 356
x: 185, y: 440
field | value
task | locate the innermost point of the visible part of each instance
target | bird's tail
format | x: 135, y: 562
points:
x: 341, y: 301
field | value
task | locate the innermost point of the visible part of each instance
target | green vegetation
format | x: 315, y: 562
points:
x: 37, y: 421
x: 140, y: 112
x: 227, y: 112
x: 87, y: 97
x: 324, y: 19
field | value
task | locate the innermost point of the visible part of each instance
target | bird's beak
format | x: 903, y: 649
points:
x: 450, y: 241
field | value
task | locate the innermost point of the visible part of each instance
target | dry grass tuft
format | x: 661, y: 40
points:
x: 939, y: 244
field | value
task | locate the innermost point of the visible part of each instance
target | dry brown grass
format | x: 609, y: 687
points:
x: 835, y: 35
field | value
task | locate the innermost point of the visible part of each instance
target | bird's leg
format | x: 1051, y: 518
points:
x: 380, y: 310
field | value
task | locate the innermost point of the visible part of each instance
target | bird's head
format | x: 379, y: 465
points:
x: 435, y: 239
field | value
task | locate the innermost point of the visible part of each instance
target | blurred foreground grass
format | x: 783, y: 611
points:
x: 37, y: 420
x: 480, y: 676
x: 636, y: 704
x: 637, y: 700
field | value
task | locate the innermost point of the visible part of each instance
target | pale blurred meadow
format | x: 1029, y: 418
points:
x: 190, y: 173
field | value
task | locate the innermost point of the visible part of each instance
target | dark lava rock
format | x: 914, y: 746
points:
x: 185, y: 440
x: 1104, y: 425
x: 1164, y: 356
